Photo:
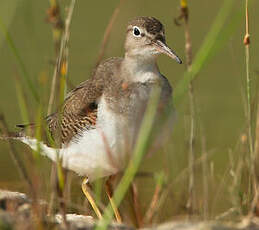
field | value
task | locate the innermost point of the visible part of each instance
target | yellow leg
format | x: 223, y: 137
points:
x: 108, y: 188
x: 89, y: 197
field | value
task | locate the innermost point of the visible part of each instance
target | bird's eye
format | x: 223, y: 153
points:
x: 136, y: 31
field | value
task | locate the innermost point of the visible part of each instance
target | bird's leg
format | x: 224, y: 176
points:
x: 89, y: 197
x: 109, y: 191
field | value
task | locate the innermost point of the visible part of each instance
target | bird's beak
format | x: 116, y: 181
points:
x: 161, y: 47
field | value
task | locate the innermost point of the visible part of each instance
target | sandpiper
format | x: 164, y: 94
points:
x: 99, y: 120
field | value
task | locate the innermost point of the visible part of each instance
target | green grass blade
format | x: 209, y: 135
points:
x: 14, y: 50
x: 38, y: 133
x: 22, y: 102
x: 139, y: 151
x: 208, y: 47
x: 7, y: 12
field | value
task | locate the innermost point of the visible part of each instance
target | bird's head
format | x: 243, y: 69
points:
x: 145, y: 38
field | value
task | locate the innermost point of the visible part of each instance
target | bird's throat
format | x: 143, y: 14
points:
x: 140, y: 69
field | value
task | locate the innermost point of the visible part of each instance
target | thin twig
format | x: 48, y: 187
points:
x: 152, y: 207
x: 54, y: 17
x: 205, y: 178
x: 136, y: 205
x: 257, y: 134
x: 17, y: 161
x: 255, y: 202
x: 226, y: 214
x: 61, y: 62
x: 107, y: 32
x: 53, y: 87
x: 190, y: 202
x: 53, y: 195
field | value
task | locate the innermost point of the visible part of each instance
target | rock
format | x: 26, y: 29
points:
x: 80, y: 222
x: 207, y: 225
x: 16, y: 213
x: 75, y: 218
x: 12, y: 200
x: 76, y: 221
x: 190, y: 226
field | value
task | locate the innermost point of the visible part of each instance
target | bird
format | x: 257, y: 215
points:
x: 96, y: 127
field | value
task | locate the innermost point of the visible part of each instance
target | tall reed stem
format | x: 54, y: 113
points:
x: 188, y: 53
x: 252, y: 176
x: 248, y: 82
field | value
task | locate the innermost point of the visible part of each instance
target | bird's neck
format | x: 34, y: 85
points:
x: 140, y: 68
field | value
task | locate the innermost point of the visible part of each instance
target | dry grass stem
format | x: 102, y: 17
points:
x: 53, y: 180
x: 60, y: 71
x: 248, y: 82
x: 152, y: 207
x: 188, y: 53
x: 252, y: 175
x: 107, y: 32
x: 136, y: 205
x: 257, y: 134
x: 62, y: 59
x: 17, y: 161
x: 109, y: 192
x: 180, y: 177
x: 205, y: 171
x: 55, y: 19
x: 225, y: 214
x: 255, y: 202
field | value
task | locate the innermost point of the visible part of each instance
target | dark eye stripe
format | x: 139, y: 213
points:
x: 160, y: 37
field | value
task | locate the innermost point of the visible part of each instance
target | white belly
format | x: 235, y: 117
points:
x: 102, y: 151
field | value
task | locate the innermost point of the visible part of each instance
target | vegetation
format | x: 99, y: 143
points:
x: 208, y: 167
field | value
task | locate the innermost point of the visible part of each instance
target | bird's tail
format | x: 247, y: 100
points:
x: 24, y: 129
x: 30, y: 141
x: 11, y: 135
x: 39, y: 145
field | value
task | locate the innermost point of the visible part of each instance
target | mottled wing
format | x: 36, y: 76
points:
x: 78, y: 113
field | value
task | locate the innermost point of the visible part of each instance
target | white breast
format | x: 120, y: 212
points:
x: 146, y: 76
x: 101, y: 151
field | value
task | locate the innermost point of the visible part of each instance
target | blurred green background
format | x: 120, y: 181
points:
x: 219, y: 88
